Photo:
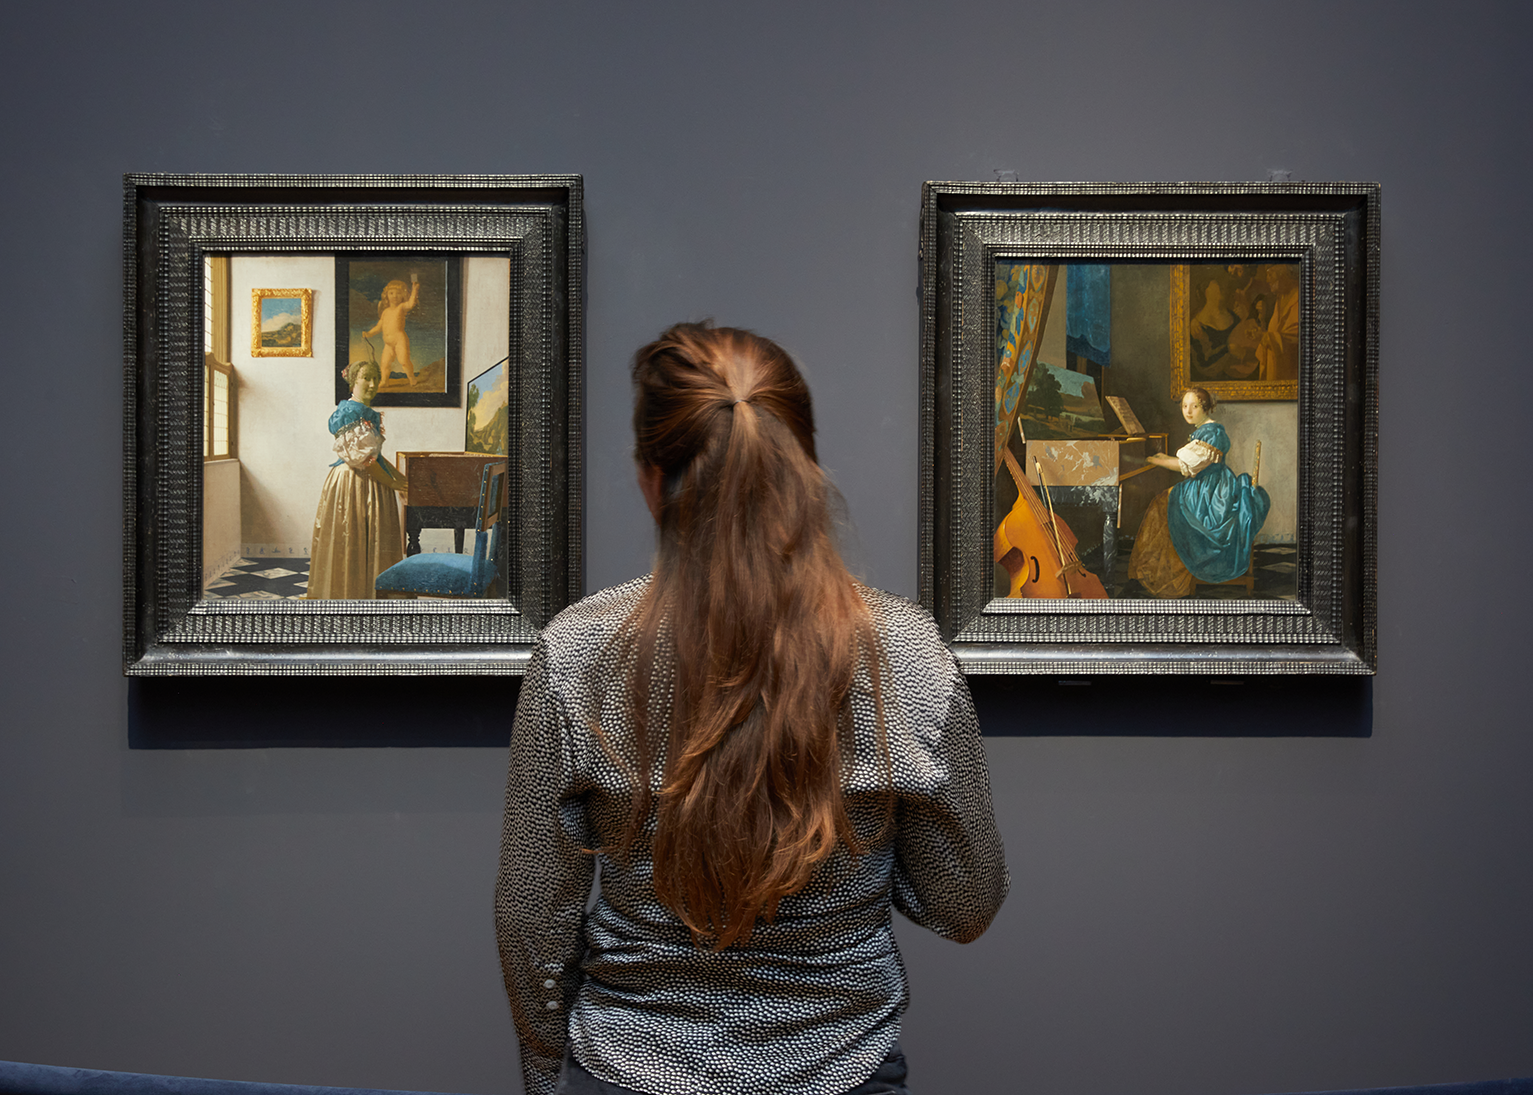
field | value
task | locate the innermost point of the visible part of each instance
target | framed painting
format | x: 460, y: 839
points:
x: 484, y: 424
x: 401, y: 311
x: 281, y: 323
x: 1235, y: 329
x: 276, y: 509
x: 1148, y: 426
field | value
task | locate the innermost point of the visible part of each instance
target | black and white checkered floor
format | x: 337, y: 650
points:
x: 278, y: 578
x: 268, y: 579
x: 1276, y: 567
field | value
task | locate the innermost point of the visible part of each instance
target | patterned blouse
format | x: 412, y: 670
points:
x: 811, y: 1003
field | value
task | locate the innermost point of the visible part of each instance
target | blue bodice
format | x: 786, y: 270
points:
x: 1211, y: 433
x: 1214, y: 517
x: 349, y: 411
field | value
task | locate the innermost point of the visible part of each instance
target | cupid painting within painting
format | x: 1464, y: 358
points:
x: 402, y: 312
x: 1146, y: 430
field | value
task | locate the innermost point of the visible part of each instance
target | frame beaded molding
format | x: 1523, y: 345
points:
x: 170, y: 223
x: 1332, y: 230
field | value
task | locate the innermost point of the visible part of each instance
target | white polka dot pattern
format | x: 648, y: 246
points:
x: 812, y: 1002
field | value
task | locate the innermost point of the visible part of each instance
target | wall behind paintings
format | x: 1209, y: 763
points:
x: 1194, y: 911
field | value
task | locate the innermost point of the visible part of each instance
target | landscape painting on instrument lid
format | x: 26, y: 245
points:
x: 487, y: 406
x: 1146, y: 430
x: 307, y: 464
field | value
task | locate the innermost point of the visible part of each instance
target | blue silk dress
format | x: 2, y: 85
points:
x: 1214, y: 517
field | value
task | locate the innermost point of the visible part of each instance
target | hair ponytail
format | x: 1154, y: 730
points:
x: 750, y: 633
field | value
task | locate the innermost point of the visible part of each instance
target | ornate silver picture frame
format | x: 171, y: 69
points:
x: 230, y: 469
x: 1082, y: 512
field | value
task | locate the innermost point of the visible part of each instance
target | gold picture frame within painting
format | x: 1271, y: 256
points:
x: 1262, y: 345
x: 282, y: 323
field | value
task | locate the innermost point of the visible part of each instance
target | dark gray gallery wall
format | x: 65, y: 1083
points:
x: 1190, y: 914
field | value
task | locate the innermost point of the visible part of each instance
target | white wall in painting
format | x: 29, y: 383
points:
x: 220, y: 516
x: 1276, y: 426
x: 487, y: 316
x: 285, y: 402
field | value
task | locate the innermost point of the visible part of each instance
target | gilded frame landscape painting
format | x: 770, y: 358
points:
x: 277, y: 521
x: 281, y: 323
x: 1148, y: 422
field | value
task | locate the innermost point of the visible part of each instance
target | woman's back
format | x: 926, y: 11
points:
x: 811, y: 1001
x: 764, y: 757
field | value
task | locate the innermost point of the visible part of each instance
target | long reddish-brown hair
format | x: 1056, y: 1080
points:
x: 748, y: 636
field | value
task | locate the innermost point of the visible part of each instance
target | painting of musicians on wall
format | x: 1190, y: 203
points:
x: 1146, y: 430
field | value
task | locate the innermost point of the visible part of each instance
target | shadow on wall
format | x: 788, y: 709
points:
x: 225, y: 713
x: 266, y: 712
x: 1261, y: 707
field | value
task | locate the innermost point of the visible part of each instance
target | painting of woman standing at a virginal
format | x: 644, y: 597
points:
x: 316, y: 486
x: 357, y: 531
x: 1146, y: 430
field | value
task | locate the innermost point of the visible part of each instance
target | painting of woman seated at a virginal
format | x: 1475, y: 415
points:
x: 1146, y: 430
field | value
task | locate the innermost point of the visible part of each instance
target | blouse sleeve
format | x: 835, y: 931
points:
x: 1195, y: 456
x: 950, y: 869
x: 358, y: 444
x: 544, y: 880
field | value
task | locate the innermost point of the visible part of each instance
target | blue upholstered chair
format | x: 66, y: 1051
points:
x: 447, y: 574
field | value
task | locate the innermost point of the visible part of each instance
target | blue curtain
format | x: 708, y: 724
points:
x: 1088, y: 312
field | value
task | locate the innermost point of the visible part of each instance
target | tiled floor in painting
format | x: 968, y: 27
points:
x: 1275, y: 566
x: 267, y: 579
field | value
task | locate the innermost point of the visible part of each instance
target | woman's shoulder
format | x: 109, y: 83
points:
x: 896, y: 612
x: 583, y: 629
x: 908, y: 632
x: 927, y: 700
x: 349, y: 411
x: 1214, y: 434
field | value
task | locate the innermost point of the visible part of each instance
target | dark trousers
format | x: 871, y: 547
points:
x: 889, y: 1079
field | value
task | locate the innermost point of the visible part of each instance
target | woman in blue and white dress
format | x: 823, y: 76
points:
x: 1203, y: 527
x: 357, y: 531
